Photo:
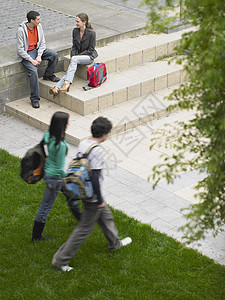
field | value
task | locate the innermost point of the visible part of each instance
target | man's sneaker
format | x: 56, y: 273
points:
x: 66, y: 268
x: 51, y: 78
x: 126, y: 241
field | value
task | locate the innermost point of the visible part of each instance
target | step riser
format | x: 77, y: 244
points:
x: 37, y: 123
x: 127, y: 61
x: 113, y: 98
x: 123, y: 126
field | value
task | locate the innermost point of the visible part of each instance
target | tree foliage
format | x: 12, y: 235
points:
x: 202, y: 52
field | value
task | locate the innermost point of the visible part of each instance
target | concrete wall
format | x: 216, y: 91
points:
x: 14, y: 82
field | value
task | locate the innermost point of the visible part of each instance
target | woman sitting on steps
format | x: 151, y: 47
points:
x: 83, y: 52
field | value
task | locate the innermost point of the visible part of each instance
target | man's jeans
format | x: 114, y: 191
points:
x: 74, y: 62
x: 52, y: 58
x: 53, y: 187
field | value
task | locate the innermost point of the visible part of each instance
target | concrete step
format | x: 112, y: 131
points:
x: 125, y: 116
x: 120, y: 87
x: 132, y: 52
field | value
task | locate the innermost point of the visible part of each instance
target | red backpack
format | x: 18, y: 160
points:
x: 96, y: 75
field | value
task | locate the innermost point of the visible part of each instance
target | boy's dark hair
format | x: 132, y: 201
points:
x: 100, y: 126
x: 32, y: 15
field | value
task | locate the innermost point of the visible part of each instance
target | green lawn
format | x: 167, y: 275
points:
x: 154, y: 266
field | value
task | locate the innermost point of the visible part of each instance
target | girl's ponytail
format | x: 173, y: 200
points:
x: 84, y: 18
x: 88, y: 25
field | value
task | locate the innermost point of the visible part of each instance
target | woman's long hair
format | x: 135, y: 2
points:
x: 84, y: 18
x: 58, y: 126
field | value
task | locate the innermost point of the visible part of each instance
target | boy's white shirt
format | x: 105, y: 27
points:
x: 96, y: 156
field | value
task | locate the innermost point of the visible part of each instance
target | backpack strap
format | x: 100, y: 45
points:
x: 90, y: 149
x: 94, y: 87
x: 42, y: 144
x: 85, y: 155
x: 86, y: 84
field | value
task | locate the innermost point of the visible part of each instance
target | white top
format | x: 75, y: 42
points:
x: 96, y: 156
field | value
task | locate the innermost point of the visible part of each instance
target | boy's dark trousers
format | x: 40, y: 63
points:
x: 90, y: 216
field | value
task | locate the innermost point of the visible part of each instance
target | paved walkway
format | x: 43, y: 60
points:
x: 129, y: 160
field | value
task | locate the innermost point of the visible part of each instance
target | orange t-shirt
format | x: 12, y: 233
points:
x: 32, y: 38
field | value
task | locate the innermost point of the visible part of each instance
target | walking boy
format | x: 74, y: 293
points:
x: 95, y: 209
x: 31, y: 50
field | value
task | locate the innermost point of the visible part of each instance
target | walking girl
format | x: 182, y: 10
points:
x: 83, y: 52
x: 54, y: 138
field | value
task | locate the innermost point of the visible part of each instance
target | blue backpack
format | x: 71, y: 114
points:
x: 77, y: 183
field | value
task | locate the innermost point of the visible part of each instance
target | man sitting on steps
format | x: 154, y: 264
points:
x: 32, y: 50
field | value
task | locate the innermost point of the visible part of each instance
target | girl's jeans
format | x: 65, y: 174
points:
x: 53, y: 187
x: 74, y: 62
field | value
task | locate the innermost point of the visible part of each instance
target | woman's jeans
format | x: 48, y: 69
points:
x: 52, y: 58
x: 74, y: 62
x: 53, y: 187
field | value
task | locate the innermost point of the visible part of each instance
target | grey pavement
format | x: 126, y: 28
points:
x: 129, y: 6
x: 126, y: 191
x: 123, y: 189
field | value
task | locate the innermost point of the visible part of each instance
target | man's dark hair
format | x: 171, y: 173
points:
x: 100, y: 126
x: 32, y: 15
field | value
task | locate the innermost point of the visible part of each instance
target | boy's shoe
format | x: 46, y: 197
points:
x: 126, y: 241
x: 52, y: 78
x: 66, y: 268
x: 35, y: 103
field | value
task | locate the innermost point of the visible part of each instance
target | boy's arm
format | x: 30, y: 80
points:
x: 21, y: 51
x: 96, y: 174
x: 42, y: 45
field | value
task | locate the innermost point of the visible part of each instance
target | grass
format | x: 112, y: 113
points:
x: 154, y: 266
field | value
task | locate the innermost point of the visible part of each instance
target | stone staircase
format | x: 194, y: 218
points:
x: 139, y: 78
